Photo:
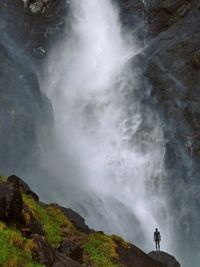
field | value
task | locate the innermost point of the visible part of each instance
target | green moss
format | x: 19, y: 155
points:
x: 55, y: 224
x: 14, y: 249
x: 101, y: 250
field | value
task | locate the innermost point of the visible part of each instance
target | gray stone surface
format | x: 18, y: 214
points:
x: 164, y: 258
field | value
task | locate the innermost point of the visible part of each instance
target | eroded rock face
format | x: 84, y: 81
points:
x: 164, y: 258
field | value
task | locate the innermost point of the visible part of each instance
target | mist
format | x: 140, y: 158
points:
x: 105, y: 155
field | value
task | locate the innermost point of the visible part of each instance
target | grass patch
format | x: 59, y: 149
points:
x: 14, y: 251
x: 55, y: 224
x: 101, y: 250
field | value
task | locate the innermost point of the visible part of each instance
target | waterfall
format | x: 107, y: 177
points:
x: 105, y: 158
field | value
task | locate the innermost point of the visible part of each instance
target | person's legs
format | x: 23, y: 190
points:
x: 156, y: 245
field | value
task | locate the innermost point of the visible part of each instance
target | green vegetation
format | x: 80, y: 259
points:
x: 15, y: 250
x: 101, y: 250
x: 55, y: 224
x: 2, y: 178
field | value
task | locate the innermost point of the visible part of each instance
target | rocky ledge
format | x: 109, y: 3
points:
x: 34, y: 234
x: 165, y: 258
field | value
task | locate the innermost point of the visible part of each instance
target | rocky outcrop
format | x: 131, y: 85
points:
x: 24, y: 188
x: 11, y: 203
x: 165, y: 258
x: 51, y: 238
x: 76, y: 219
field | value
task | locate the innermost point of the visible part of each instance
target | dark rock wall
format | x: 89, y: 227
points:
x: 27, y: 31
x: 170, y: 61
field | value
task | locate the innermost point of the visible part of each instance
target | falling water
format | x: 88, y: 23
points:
x: 106, y: 162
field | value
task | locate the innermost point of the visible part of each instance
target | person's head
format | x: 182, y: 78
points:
x: 156, y: 229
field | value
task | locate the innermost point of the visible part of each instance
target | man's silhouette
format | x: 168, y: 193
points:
x: 157, y: 239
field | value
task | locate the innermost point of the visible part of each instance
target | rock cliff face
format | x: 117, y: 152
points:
x: 170, y: 63
x: 27, y: 31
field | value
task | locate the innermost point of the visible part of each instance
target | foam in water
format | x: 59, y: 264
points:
x: 104, y: 165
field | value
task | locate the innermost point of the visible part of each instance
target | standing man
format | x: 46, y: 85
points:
x: 157, y: 239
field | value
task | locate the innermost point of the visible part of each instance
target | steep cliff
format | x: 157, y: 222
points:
x: 27, y: 31
x: 170, y: 63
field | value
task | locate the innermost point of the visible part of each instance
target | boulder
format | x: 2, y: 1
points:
x: 165, y: 258
x: 23, y: 186
x: 64, y: 261
x: 44, y: 253
x: 72, y: 250
x: 11, y: 202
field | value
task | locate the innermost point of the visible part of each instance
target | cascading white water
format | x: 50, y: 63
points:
x: 105, y: 166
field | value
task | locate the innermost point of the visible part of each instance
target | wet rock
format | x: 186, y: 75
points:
x: 64, y: 261
x: 71, y: 250
x: 132, y: 15
x: 162, y: 14
x: 76, y: 220
x: 165, y: 258
x: 23, y: 108
x: 11, y: 202
x: 26, y: 38
x: 33, y: 226
x: 24, y: 187
x: 196, y: 59
x: 170, y: 63
x: 44, y: 253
